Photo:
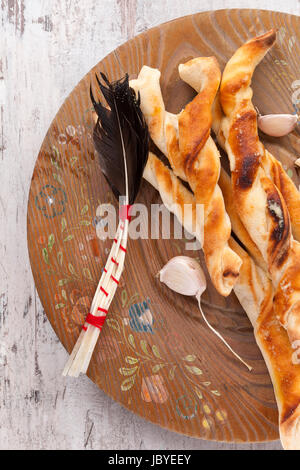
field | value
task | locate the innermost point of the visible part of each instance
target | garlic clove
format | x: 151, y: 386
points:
x: 183, y: 275
x: 277, y: 125
x: 297, y: 162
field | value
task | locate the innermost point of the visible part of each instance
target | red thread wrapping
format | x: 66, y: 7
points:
x: 100, y: 309
x: 98, y: 322
x: 104, y: 291
x: 114, y: 261
x: 122, y: 248
x: 114, y: 279
x: 125, y: 212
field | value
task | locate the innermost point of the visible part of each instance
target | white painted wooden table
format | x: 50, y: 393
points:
x: 46, y: 46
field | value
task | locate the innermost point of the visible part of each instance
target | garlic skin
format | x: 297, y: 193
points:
x: 277, y: 125
x: 183, y: 275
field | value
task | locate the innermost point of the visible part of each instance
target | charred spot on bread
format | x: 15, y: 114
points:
x: 229, y: 273
x: 276, y: 211
x: 245, y: 145
x: 265, y: 40
x: 289, y: 412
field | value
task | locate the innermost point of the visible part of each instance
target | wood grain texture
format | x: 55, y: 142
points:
x: 59, y: 43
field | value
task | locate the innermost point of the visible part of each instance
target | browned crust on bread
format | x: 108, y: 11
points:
x: 279, y: 231
x: 275, y: 341
x: 275, y: 345
x: 237, y: 79
x: 236, y: 223
x: 290, y: 193
x: 244, y: 142
x: 202, y: 168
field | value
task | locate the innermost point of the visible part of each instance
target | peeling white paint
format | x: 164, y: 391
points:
x: 45, y: 49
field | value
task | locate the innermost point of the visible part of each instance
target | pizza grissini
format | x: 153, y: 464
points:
x: 259, y: 203
x: 255, y: 293
x: 262, y: 192
x: 185, y: 140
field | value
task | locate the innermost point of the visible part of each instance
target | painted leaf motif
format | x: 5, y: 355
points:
x: 85, y: 209
x: 156, y: 351
x: 216, y: 392
x: 127, y: 384
x: 131, y: 340
x: 198, y: 393
x: 68, y: 238
x: 62, y: 282
x: 51, y: 240
x: 73, y: 160
x: 45, y: 255
x: 131, y: 360
x: 124, y: 297
x: 157, y: 367
x: 112, y: 323
x: 143, y: 344
x: 134, y: 298
x: 71, y: 268
x: 193, y: 370
x: 63, y: 224
x: 60, y: 257
x: 190, y: 358
x: 87, y: 273
x: 172, y: 373
x: 57, y: 177
x: 85, y: 222
x: 128, y: 370
x: 64, y: 294
x: 54, y: 163
x: 58, y: 306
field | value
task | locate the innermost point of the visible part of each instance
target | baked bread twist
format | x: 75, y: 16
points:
x: 191, y: 74
x: 175, y: 196
x: 262, y: 192
x: 255, y: 293
x: 259, y: 203
x: 185, y: 140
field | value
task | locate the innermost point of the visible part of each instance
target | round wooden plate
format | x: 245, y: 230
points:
x: 155, y: 355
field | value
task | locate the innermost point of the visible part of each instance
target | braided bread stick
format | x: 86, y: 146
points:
x: 259, y: 203
x: 191, y: 74
x: 255, y: 293
x: 185, y: 140
x: 175, y: 196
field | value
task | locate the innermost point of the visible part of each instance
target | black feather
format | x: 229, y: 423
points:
x: 124, y: 120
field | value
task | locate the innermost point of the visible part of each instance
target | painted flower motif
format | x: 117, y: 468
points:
x: 51, y: 201
x: 153, y: 389
x: 186, y: 407
x: 173, y: 341
x: 140, y: 317
x: 109, y: 348
x: 80, y: 301
x: 90, y: 248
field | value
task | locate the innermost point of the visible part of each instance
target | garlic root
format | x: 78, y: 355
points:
x: 185, y: 276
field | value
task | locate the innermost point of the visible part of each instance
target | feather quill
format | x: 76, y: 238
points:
x: 121, y: 139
